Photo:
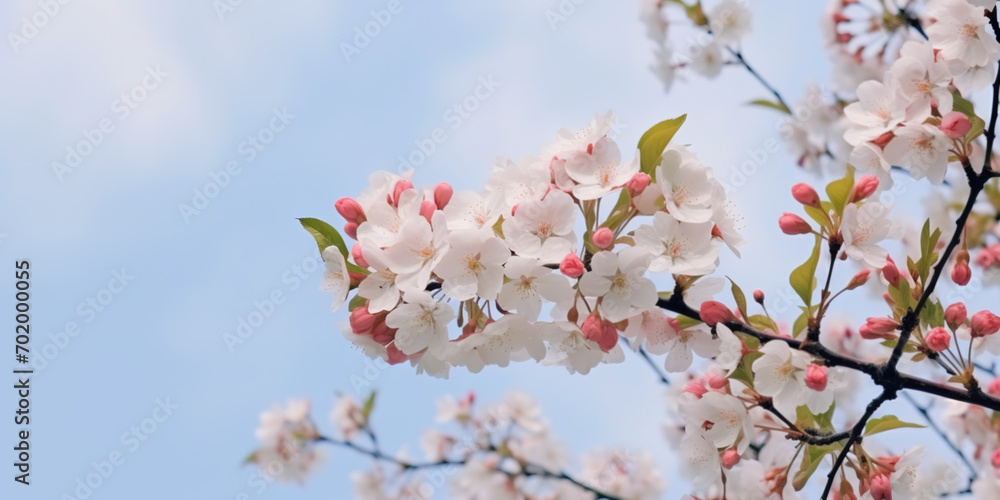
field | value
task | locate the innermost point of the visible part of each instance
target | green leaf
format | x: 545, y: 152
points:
x: 825, y: 420
x: 811, y: 459
x: 771, y: 104
x: 686, y: 322
x: 803, y: 278
x: 654, y: 141
x: 252, y: 457
x: 804, y: 417
x: 744, y: 370
x: 741, y: 299
x: 887, y: 423
x: 325, y: 235
x: 356, y: 302
x: 840, y: 189
x: 761, y: 322
x: 801, y: 322
x: 366, y: 410
x: 818, y: 215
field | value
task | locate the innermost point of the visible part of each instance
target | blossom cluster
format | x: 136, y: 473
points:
x: 500, y: 451
x: 532, y: 244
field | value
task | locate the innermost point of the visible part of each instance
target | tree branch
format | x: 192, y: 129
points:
x: 527, y: 469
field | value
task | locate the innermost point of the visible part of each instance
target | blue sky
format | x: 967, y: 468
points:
x: 208, y: 82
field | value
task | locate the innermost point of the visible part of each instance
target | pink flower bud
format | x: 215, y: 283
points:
x: 880, y: 488
x: 427, y: 209
x: 758, y: 296
x: 890, y: 272
x: 383, y: 334
x: 816, y: 377
x: 713, y: 312
x: 884, y: 139
x: 442, y: 194
x: 805, y: 194
x: 350, y: 210
x: 955, y: 124
x: 362, y: 321
x: 859, y: 279
x: 984, y: 323
x: 397, y: 190
x: 637, y: 184
x: 961, y: 274
x: 351, y: 229
x: 955, y: 315
x: 881, y: 325
x: 730, y: 458
x: 864, y: 187
x: 394, y: 355
x: 938, y: 339
x: 995, y: 459
x: 793, y: 224
x: 985, y: 258
x: 717, y: 382
x: 571, y: 266
x: 598, y: 330
x: 603, y: 238
x: 994, y: 388
x: 358, y: 258
x: 697, y: 389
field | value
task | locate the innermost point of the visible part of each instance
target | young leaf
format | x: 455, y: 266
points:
x: 366, y: 410
x: 803, y: 278
x: 840, y: 189
x: 741, y: 299
x: 655, y: 140
x: 325, y: 235
x: 887, y: 423
x: 773, y: 105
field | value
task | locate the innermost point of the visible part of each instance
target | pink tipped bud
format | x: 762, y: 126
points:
x: 938, y: 339
x: 995, y: 459
x: 358, y: 258
x: 806, y: 195
x: 985, y: 258
x: 350, y: 210
x: 881, y: 325
x: 890, y: 272
x: 961, y: 274
x: 362, y: 321
x: 882, y: 140
x: 730, y: 458
x: 427, y: 209
x: 994, y: 388
x: 984, y: 323
x: 864, y: 187
x: 571, y: 266
x: 637, y: 184
x: 394, y: 355
x: 713, y: 312
x: 717, y: 382
x: 603, y: 238
x: 351, y: 229
x: 397, y: 190
x: 881, y: 488
x: 442, y: 194
x: 758, y: 296
x: 793, y: 224
x: 816, y: 377
x: 955, y: 315
x: 699, y: 390
x: 955, y: 124
x: 598, y: 330
x: 859, y: 279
